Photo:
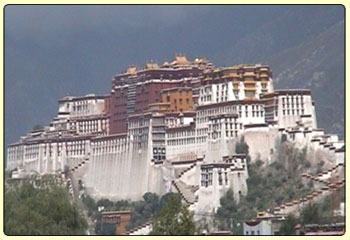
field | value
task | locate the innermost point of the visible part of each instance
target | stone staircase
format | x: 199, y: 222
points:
x: 185, y: 191
x: 143, y: 229
x: 79, y: 165
x: 69, y: 179
x: 318, y: 194
x: 325, y: 175
x: 297, y: 205
x: 186, y: 170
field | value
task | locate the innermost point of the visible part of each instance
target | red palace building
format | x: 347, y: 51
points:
x: 135, y: 89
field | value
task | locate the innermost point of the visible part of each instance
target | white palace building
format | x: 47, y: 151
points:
x: 174, y: 142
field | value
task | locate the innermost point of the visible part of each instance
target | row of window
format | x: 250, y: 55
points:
x: 139, y: 131
x: 202, y: 131
x: 181, y: 134
x: 91, y: 127
x: 108, y: 143
x: 205, y: 98
x: 229, y: 109
x: 14, y: 154
x: 183, y: 141
x: 293, y: 112
x: 31, y: 151
x: 137, y: 124
x: 108, y: 149
x: 252, y: 233
x: 222, y: 176
x: 291, y: 99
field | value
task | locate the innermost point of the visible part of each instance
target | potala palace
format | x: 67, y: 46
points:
x: 174, y: 127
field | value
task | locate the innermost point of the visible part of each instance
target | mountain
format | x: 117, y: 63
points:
x: 305, y: 49
x: 318, y: 64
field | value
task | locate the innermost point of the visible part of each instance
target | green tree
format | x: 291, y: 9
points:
x: 226, y: 211
x: 44, y: 210
x: 90, y: 204
x: 287, y: 227
x: 144, y: 210
x: 311, y: 214
x: 229, y: 216
x: 173, y: 218
x: 243, y: 148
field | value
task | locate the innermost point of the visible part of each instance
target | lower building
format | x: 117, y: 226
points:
x: 264, y: 224
x: 335, y: 229
x: 120, y: 219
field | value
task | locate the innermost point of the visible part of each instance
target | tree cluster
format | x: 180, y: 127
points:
x: 173, y: 218
x: 141, y: 211
x: 168, y: 215
x: 229, y: 216
x: 41, y: 209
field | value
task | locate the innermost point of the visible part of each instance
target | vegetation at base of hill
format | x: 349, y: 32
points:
x: 45, y: 210
x: 268, y: 187
x: 141, y: 211
x: 173, y: 218
x: 278, y: 183
x: 230, y: 216
x: 7, y: 174
x: 287, y: 227
x: 320, y: 213
x: 168, y: 214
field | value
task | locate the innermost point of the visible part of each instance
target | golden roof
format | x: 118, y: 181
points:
x: 200, y: 60
x: 180, y: 60
x: 132, y: 69
x: 151, y: 65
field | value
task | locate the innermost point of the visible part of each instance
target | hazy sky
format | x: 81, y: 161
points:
x: 54, y: 51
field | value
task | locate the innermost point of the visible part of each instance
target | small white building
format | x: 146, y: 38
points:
x: 264, y: 224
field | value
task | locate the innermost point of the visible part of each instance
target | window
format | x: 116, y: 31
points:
x: 206, y: 177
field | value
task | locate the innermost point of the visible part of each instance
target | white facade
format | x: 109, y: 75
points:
x: 259, y: 227
x: 228, y: 91
x: 82, y: 106
x: 288, y: 107
x: 235, y: 83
